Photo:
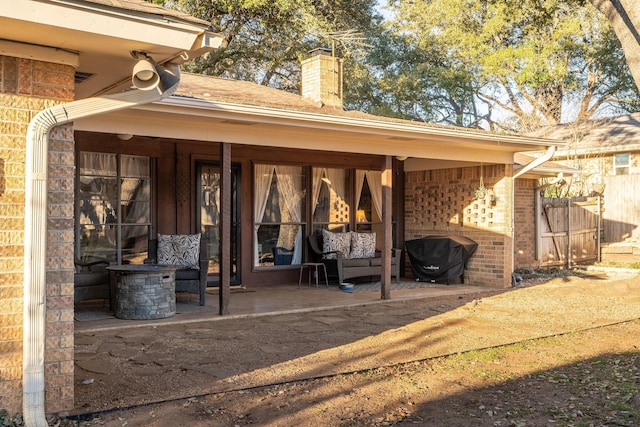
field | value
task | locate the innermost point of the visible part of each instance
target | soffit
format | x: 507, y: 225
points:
x: 257, y: 104
x: 264, y: 126
x: 103, y: 33
x: 207, y: 108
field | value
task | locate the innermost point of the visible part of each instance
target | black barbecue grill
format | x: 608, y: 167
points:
x: 440, y: 258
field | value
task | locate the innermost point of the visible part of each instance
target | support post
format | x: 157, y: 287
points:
x: 387, y: 224
x: 225, y: 228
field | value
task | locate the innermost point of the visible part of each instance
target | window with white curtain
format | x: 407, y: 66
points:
x: 331, y: 196
x: 369, y: 203
x: 368, y: 199
x: 279, y: 212
x: 113, y: 207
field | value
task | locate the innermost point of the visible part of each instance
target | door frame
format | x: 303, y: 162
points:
x: 213, y: 279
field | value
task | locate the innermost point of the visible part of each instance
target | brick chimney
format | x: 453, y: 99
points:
x: 322, y: 78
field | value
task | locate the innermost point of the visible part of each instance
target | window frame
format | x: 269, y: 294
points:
x: 120, y: 223
x: 258, y: 245
x: 621, y: 169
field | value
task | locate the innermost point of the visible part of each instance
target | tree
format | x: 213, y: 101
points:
x: 266, y: 39
x: 531, y: 60
x: 624, y: 17
x: 413, y: 79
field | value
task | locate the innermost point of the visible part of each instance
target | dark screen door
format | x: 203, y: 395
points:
x: 208, y: 217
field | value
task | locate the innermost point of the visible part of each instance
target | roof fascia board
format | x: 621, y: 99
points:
x: 39, y: 53
x: 177, y: 126
x: 414, y: 164
x: 110, y: 22
x: 593, y: 151
x: 407, y: 130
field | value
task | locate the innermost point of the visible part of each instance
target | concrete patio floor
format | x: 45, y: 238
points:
x: 279, y: 299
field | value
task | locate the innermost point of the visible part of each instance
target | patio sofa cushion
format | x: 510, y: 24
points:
x: 188, y: 274
x: 179, y: 249
x: 356, y: 262
x: 363, y: 245
x: 91, y: 280
x: 376, y: 261
x: 332, y: 242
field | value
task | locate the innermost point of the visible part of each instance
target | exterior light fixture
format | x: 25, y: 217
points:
x: 145, y: 75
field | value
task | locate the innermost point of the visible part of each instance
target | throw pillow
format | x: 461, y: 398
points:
x: 363, y: 245
x: 179, y: 249
x: 336, y: 242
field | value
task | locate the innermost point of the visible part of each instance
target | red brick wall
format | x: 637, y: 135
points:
x: 524, y: 223
x: 441, y: 202
x: 27, y: 87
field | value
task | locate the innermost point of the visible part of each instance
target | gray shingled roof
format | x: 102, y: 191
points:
x: 150, y: 8
x: 249, y: 93
x: 601, y: 133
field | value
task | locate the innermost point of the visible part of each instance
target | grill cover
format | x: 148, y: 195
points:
x: 439, y: 258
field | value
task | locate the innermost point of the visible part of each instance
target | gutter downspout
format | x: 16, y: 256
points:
x: 537, y: 162
x: 35, y: 227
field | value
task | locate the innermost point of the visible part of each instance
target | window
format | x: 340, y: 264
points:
x: 331, y: 194
x: 279, y: 201
x: 621, y: 164
x: 113, y: 207
x: 368, y: 199
x: 369, y: 204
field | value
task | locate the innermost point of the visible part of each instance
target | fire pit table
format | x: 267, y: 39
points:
x: 143, y: 291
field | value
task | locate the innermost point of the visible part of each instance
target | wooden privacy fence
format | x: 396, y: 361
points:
x: 621, y: 208
x: 568, y: 230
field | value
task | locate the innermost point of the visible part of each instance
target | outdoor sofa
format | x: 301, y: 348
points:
x: 350, y: 255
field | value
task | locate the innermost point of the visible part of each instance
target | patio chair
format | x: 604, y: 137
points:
x: 190, y: 252
x: 90, y: 280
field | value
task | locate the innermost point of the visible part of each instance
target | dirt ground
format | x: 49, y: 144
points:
x: 560, y: 351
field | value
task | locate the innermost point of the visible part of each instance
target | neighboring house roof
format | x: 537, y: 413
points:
x: 605, y: 135
x: 97, y: 36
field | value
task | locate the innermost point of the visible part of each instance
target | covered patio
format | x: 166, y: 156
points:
x: 252, y: 301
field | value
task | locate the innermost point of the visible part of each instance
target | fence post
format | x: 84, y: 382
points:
x: 598, y: 229
x: 569, y: 246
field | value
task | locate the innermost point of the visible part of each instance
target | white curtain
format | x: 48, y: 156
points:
x: 134, y: 166
x: 359, y: 184
x: 337, y: 179
x: 290, y: 186
x: 374, y: 179
x: 263, y: 177
x: 97, y: 164
x: 318, y: 174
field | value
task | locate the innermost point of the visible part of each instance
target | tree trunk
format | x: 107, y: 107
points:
x: 624, y: 17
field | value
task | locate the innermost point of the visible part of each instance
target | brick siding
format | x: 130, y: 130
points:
x: 27, y: 87
x: 524, y: 223
x: 444, y: 202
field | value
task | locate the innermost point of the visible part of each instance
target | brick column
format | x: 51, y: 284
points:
x: 27, y: 87
x: 525, y: 223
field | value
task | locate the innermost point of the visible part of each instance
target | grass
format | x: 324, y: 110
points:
x: 617, y: 264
